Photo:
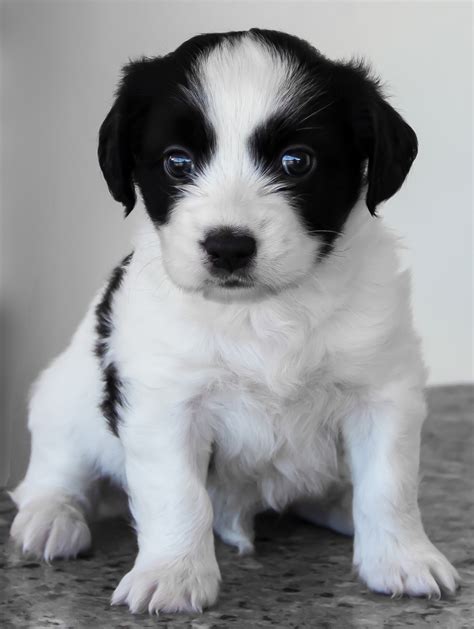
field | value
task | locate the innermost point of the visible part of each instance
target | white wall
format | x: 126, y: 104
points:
x: 61, y: 231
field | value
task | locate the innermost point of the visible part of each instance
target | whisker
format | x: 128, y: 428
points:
x: 325, y: 231
x: 315, y: 113
x: 308, y: 128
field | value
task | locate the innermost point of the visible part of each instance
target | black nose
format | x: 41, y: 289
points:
x: 229, y: 250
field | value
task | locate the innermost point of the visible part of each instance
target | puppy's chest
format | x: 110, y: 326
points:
x: 276, y: 400
x: 272, y: 367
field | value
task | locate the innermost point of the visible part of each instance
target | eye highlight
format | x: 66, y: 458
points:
x: 297, y: 162
x: 178, y: 164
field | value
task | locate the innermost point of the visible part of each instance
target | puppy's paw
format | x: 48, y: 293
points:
x: 416, y: 569
x: 185, y: 585
x: 50, y: 528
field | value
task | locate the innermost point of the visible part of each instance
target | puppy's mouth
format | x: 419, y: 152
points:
x: 233, y: 282
x: 236, y: 287
x: 232, y: 288
x: 222, y: 278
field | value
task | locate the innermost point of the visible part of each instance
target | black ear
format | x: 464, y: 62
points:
x: 115, y: 156
x: 386, y: 141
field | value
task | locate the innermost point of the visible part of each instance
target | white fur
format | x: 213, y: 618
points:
x: 279, y: 383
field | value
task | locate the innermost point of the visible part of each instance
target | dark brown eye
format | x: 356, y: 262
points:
x: 178, y: 165
x: 297, y: 162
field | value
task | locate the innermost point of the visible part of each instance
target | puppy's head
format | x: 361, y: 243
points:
x: 250, y: 150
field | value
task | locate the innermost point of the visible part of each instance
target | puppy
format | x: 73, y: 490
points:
x: 256, y: 349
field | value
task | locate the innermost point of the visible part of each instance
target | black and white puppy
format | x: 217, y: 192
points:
x: 257, y: 348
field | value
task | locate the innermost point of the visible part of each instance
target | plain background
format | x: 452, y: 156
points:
x: 62, y: 232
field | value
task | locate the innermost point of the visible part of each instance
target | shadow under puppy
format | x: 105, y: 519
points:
x: 261, y: 317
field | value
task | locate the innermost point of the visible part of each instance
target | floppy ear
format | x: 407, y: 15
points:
x: 115, y: 157
x: 387, y: 142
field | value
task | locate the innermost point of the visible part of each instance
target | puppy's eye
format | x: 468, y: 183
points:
x: 297, y: 162
x: 178, y: 165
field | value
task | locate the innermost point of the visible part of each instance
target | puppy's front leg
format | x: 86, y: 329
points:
x: 167, y: 455
x: 392, y: 552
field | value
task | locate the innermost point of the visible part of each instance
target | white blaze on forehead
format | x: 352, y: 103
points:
x: 241, y: 84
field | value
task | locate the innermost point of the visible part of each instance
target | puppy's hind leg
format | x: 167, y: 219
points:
x: 52, y: 499
x: 234, y: 509
x: 332, y: 512
x: 51, y: 526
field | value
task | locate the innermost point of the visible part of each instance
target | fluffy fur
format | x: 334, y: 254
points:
x: 210, y: 395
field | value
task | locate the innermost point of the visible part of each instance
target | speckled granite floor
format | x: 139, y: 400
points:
x: 301, y: 575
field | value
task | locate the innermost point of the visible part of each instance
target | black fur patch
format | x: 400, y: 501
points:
x: 325, y: 197
x: 153, y: 111
x: 113, y: 397
x: 346, y: 123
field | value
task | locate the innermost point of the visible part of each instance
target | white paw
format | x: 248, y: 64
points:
x: 185, y: 585
x: 50, y: 528
x: 416, y: 569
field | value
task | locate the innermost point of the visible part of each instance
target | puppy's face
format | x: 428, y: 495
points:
x: 249, y: 150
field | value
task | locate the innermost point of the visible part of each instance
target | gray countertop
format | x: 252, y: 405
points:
x: 300, y: 575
